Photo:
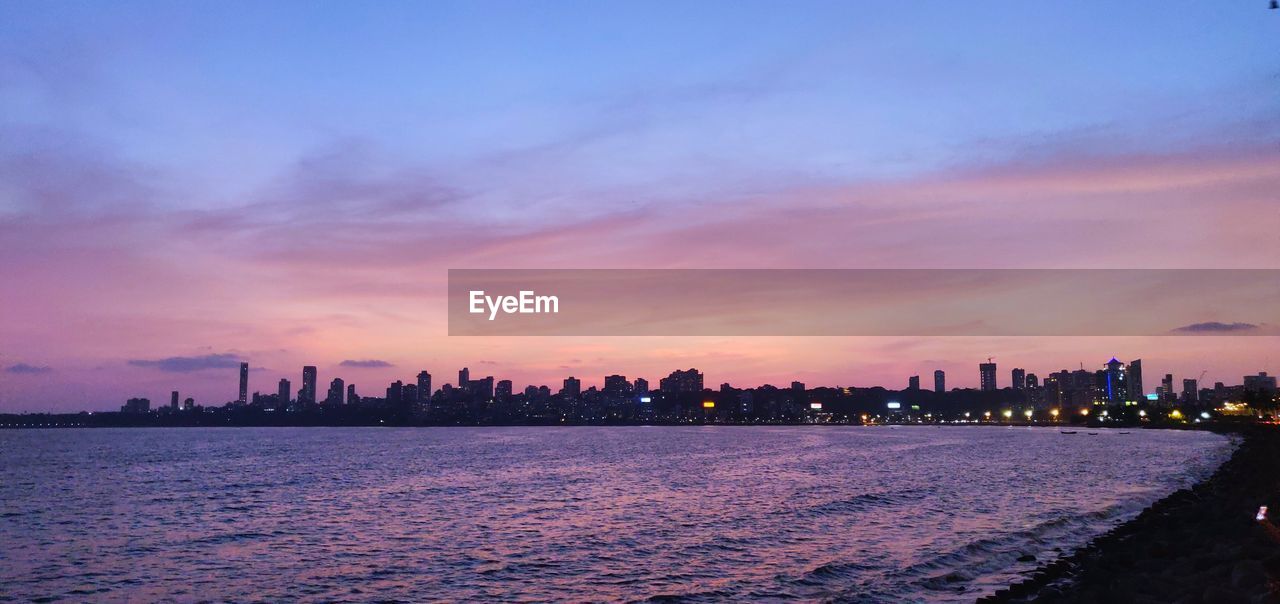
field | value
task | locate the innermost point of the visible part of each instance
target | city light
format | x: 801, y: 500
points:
x: 894, y: 405
x: 709, y: 405
x: 1175, y: 414
x: 1054, y: 413
x: 1007, y: 413
x: 1027, y: 413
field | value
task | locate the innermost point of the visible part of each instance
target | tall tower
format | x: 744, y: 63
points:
x: 282, y: 395
x: 464, y: 378
x: 1135, y: 390
x: 1019, y: 378
x: 987, y: 375
x: 913, y: 382
x: 424, y: 387
x: 244, y: 383
x: 939, y: 381
x: 307, y: 396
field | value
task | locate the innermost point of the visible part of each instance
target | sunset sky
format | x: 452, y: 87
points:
x: 187, y: 185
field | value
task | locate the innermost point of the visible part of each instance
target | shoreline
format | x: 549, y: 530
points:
x: 1198, y: 544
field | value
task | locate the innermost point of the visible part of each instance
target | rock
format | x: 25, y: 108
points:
x: 1248, y: 574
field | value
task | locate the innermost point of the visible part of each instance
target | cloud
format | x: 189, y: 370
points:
x: 1216, y: 327
x: 188, y: 364
x: 29, y: 369
x: 365, y: 364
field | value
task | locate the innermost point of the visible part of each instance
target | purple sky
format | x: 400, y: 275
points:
x: 185, y: 185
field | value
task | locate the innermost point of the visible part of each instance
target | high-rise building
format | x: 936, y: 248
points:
x: 136, y: 405
x: 939, y: 381
x: 1033, y: 381
x: 642, y: 386
x: 913, y: 382
x: 616, y: 385
x: 1114, y: 382
x: 572, y: 387
x: 1019, y: 378
x: 1134, y: 387
x: 502, y: 391
x: 1260, y: 383
x: 482, y: 389
x: 395, y: 394
x: 337, y: 389
x: 682, y: 381
x: 1167, y: 392
x: 244, y: 383
x: 464, y: 378
x: 173, y: 400
x: 307, y: 395
x: 424, y: 387
x: 987, y: 376
x: 797, y: 387
x: 352, y: 397
x: 1190, y: 391
x: 188, y: 404
x: 283, y: 393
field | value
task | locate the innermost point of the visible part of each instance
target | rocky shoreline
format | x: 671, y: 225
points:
x: 1201, y: 544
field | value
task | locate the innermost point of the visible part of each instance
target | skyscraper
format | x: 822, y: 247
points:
x: 1134, y: 387
x: 987, y: 376
x: 1115, y: 382
x: 502, y: 391
x: 682, y: 381
x: 424, y: 387
x: 1019, y: 378
x: 1033, y: 381
x: 244, y: 383
x: 572, y: 387
x: 464, y: 378
x: 1190, y: 391
x: 616, y: 385
x: 283, y: 394
x: 352, y: 397
x: 913, y: 382
x: 307, y: 396
x: 173, y: 400
x: 1168, y: 395
x: 939, y: 381
x: 336, y: 390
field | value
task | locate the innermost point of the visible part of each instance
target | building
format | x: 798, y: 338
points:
x: 987, y: 376
x: 1190, y: 391
x: 173, y: 400
x: 283, y: 393
x: 502, y: 391
x: 307, y: 395
x: 481, y: 389
x: 1260, y: 383
x: 352, y: 397
x: 681, y: 381
x: 1114, y: 382
x: 641, y: 386
x: 616, y: 385
x: 1135, y: 390
x: 1019, y: 378
x: 395, y: 394
x: 136, y: 405
x: 939, y: 381
x: 913, y: 382
x: 424, y: 387
x: 572, y: 387
x: 1167, y: 394
x: 464, y: 378
x: 337, y: 388
x: 244, y: 383
x: 1033, y: 381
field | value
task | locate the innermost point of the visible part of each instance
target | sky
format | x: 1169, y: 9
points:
x: 187, y: 185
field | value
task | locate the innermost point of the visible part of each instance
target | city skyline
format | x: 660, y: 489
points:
x: 288, y: 184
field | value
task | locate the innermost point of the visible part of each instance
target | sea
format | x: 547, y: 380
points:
x: 579, y: 514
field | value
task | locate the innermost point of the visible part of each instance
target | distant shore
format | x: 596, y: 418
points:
x: 1201, y: 544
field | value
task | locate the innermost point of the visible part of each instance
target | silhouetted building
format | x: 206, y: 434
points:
x: 1033, y: 381
x: 682, y: 381
x: 572, y: 387
x: 136, y: 405
x: 1019, y: 378
x: 1260, y: 383
x: 283, y: 393
x: 1168, y: 395
x: 336, y: 390
x: 616, y: 385
x: 307, y: 395
x: 913, y: 382
x: 189, y: 404
x: 464, y: 378
x: 502, y: 391
x: 1134, y: 387
x: 642, y: 386
x: 352, y: 397
x: 424, y: 388
x: 482, y: 389
x: 1190, y: 391
x: 244, y: 383
x: 1115, y: 382
x: 395, y: 394
x: 796, y: 387
x: 987, y: 376
x: 939, y: 381
x: 173, y: 400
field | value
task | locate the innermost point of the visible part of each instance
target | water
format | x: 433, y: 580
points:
x: 700, y: 513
